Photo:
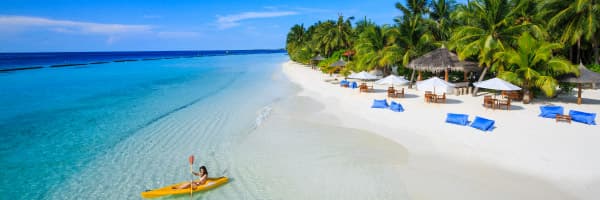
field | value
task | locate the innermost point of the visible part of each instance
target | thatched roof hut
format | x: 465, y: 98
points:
x: 442, y: 60
x: 585, y: 76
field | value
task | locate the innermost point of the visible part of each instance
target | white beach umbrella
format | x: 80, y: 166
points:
x: 363, y: 76
x: 434, y: 84
x: 392, y: 80
x: 496, y: 84
x: 352, y: 74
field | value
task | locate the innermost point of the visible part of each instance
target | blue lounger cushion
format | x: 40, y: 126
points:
x: 344, y: 83
x: 396, y: 107
x: 460, y: 119
x: 380, y: 104
x: 483, y: 124
x: 583, y: 117
x: 353, y: 85
x: 550, y: 111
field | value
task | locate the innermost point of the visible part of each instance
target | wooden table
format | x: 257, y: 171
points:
x: 564, y: 118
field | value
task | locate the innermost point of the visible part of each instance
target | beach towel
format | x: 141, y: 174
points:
x: 380, y: 103
x: 353, y: 85
x: 483, y: 124
x: 396, y: 107
x: 583, y: 117
x: 550, y: 111
x: 459, y: 119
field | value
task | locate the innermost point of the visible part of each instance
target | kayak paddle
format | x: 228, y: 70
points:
x: 191, y: 159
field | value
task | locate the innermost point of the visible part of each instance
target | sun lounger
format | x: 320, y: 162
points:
x: 583, y: 117
x: 380, y: 103
x: 396, y: 107
x: 483, y: 124
x: 459, y: 119
x: 353, y: 85
x: 550, y: 111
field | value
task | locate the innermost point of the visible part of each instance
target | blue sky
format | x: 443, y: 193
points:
x: 111, y: 25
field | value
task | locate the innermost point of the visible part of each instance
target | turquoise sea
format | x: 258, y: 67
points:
x: 110, y: 131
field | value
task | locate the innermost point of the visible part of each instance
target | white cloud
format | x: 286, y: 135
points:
x: 229, y: 21
x: 67, y: 26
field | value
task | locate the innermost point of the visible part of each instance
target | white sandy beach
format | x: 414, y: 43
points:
x: 561, y: 155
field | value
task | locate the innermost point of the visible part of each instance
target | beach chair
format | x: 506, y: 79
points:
x: 401, y: 93
x: 488, y: 102
x: 483, y: 124
x: 459, y: 119
x: 504, y: 103
x: 353, y: 85
x: 551, y: 111
x: 344, y: 83
x: 396, y: 107
x: 440, y: 98
x: 428, y: 96
x: 513, y: 95
x: 363, y: 88
x: 391, y: 92
x: 380, y: 103
x: 583, y: 117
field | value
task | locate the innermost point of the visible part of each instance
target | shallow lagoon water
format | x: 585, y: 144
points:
x: 112, y: 131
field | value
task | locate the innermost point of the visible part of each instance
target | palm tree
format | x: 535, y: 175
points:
x: 296, y: 39
x: 414, y: 35
x: 440, y: 18
x: 331, y: 36
x: 361, y: 26
x: 532, y: 64
x: 376, y: 48
x: 576, y: 20
x: 489, y: 28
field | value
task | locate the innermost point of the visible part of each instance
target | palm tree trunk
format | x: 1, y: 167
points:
x: 579, y: 50
x: 571, y: 55
x: 595, y: 47
x: 412, y: 78
x: 480, y: 79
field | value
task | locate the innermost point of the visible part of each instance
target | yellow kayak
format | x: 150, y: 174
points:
x: 168, y: 190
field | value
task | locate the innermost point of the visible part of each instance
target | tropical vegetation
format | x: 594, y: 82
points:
x: 527, y: 42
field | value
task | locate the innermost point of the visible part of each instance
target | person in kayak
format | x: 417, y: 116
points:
x: 202, y: 173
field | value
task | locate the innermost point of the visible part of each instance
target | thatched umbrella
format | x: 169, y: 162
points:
x: 337, y: 66
x: 339, y: 63
x: 585, y: 76
x: 441, y: 60
x: 317, y: 58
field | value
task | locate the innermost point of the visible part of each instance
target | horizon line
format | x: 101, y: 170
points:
x: 100, y: 51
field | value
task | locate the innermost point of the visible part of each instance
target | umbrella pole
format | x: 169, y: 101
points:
x: 579, y: 93
x: 446, y: 75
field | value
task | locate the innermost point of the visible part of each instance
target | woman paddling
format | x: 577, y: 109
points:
x: 202, y: 173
